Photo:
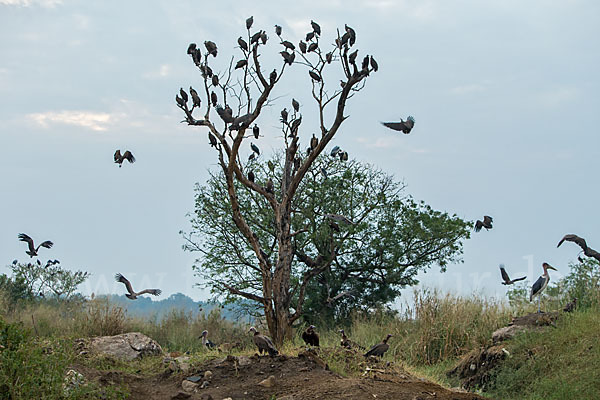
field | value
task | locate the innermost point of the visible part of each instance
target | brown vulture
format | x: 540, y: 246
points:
x: 310, y: 337
x: 33, y: 251
x: 134, y: 295
x: 347, y: 343
x: 264, y: 343
x: 404, y: 126
x: 581, y: 243
x: 380, y: 348
x: 486, y: 223
x: 126, y: 156
x: 570, y: 305
x: 506, y: 278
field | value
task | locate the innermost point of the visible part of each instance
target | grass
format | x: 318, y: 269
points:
x: 560, y: 363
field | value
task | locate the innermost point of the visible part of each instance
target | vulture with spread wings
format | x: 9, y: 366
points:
x: 33, y: 251
x: 134, y: 295
x: 126, y: 156
x: 486, y: 223
x: 403, y: 126
x: 506, y: 278
x: 581, y: 243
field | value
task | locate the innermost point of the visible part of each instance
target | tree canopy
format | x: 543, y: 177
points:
x: 372, y: 238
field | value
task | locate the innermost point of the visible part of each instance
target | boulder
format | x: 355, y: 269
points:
x: 127, y: 346
x: 188, y: 386
x: 268, y: 383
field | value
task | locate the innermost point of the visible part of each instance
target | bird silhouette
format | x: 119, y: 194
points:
x: 506, y: 278
x: 126, y: 156
x: 404, y: 126
x: 588, y: 251
x: 486, y: 223
x: 33, y: 251
x: 134, y: 295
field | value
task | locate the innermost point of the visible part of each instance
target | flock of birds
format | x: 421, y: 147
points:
x: 542, y: 282
x: 265, y: 345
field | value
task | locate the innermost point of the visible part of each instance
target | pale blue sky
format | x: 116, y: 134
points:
x: 504, y: 93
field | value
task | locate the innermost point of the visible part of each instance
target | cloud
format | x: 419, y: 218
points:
x: 86, y: 119
x: 29, y: 3
x: 162, y: 71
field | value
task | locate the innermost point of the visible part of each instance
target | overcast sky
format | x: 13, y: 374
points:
x: 504, y: 93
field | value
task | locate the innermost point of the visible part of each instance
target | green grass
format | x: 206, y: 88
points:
x: 558, y: 363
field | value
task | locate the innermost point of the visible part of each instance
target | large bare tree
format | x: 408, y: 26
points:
x: 228, y: 105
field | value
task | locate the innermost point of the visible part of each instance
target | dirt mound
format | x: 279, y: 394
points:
x: 281, y: 377
x: 475, y: 370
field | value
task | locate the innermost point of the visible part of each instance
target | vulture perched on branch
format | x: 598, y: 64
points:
x: 33, y: 251
x: 134, y: 295
x: 380, y: 348
x: 486, y: 223
x: 126, y: 156
x: 506, y: 278
x: 310, y: 337
x: 264, y: 343
x: 581, y: 243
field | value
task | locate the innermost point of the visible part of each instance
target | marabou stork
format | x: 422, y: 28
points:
x: 539, y: 285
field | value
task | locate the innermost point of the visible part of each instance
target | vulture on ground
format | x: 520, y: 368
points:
x: 347, y: 343
x: 486, y: 223
x: 506, y: 278
x: 581, y: 243
x: 126, y: 156
x: 134, y: 295
x: 380, y: 348
x: 33, y: 251
x: 264, y: 343
x: 310, y: 337
x: 404, y: 126
x: 570, y: 306
x: 206, y: 341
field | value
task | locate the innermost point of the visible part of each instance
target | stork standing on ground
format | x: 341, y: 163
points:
x: 539, y: 285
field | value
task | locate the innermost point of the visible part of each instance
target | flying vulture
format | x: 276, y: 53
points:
x: 581, y: 243
x: 310, y: 337
x: 264, y: 343
x: 206, y: 341
x: 126, y: 156
x: 380, y: 348
x: 486, y: 223
x: 506, y: 279
x: 33, y: 251
x: 404, y: 126
x: 134, y: 295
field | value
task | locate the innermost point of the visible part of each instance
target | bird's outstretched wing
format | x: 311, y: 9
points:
x: 397, y: 126
x: 25, y: 238
x: 505, y: 276
x: 129, y: 157
x: 478, y: 225
x: 518, y: 279
x: 487, y: 220
x: 122, y: 279
x: 155, y: 292
x: 118, y: 156
x: 575, y: 239
x: 47, y: 244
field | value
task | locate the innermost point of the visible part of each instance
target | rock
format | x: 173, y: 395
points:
x: 508, y: 332
x: 243, y: 361
x: 188, y: 386
x: 127, y: 346
x: 194, y: 379
x: 181, y: 396
x: 208, y: 375
x: 268, y: 383
x: 183, y: 363
x: 314, y: 358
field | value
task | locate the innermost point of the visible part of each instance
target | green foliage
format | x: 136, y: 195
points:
x: 32, y: 369
x: 393, y: 237
x: 557, y: 363
x: 14, y: 290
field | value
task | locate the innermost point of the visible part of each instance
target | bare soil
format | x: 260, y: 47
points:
x: 296, y: 378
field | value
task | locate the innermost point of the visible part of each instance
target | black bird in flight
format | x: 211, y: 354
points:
x: 404, y: 126
x: 134, y: 295
x: 126, y: 156
x: 33, y: 251
x: 486, y: 223
x: 588, y: 251
x: 506, y: 278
